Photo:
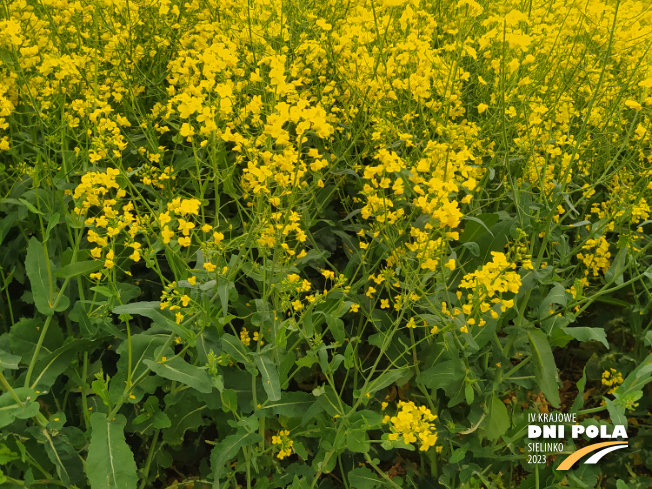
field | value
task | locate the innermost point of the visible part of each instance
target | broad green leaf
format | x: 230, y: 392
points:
x: 357, y: 440
x: 388, y: 378
x: 229, y: 400
x: 110, y: 463
x: 185, y: 414
x: 181, y: 371
x: 478, y: 226
x: 444, y: 375
x: 7, y: 360
x: 557, y: 295
x: 497, y: 422
x: 228, y: 449
x: 336, y: 328
x: 269, y: 373
x: 10, y: 410
x: 457, y: 455
x: 79, y: 268
x: 69, y: 466
x: 37, y: 268
x: 50, y: 367
x: 616, y: 413
x: 292, y: 404
x: 364, y: 478
x: 583, y: 333
x: 637, y: 378
x: 234, y: 347
x: 331, y: 403
x: 545, y: 368
x: 307, y: 361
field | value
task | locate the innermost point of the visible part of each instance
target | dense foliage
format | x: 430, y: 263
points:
x: 336, y: 244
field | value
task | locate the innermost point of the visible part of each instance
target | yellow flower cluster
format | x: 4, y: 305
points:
x: 246, y: 339
x: 612, y: 378
x: 111, y: 225
x: 175, y: 300
x: 487, y: 285
x: 283, y: 439
x: 414, y: 424
x: 595, y: 256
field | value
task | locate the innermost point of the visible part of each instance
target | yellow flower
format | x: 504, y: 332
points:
x: 355, y: 307
x: 164, y: 218
x: 167, y: 235
x: 210, y: 267
x: 184, y: 241
x: 185, y: 300
x: 179, y: 318
x: 329, y: 274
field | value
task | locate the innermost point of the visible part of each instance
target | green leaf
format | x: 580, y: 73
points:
x: 234, y: 347
x: 52, y: 221
x: 110, y: 463
x: 36, y: 266
x: 307, y: 361
x: 292, y: 404
x: 545, y: 368
x: 70, y: 467
x: 29, y: 205
x: 388, y: 378
x: 457, y: 455
x: 268, y: 370
x: 557, y: 295
x: 228, y: 449
x: 579, y: 399
x: 7, y: 360
x: 229, y: 400
x: 50, y: 367
x: 181, y: 371
x: 10, y: 410
x: 186, y: 413
x: 617, y: 266
x: 583, y: 333
x: 140, y: 308
x: 364, y: 478
x: 616, y: 413
x: 444, y: 375
x: 478, y: 226
x: 79, y: 268
x: 357, y: 440
x: 336, y: 328
x: 497, y: 422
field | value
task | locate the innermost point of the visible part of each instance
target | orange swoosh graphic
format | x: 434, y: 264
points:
x: 574, y: 457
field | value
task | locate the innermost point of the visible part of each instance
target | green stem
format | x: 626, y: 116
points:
x: 39, y: 344
x: 150, y: 456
